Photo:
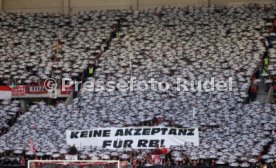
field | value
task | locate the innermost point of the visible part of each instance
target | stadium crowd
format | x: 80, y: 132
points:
x: 191, y: 43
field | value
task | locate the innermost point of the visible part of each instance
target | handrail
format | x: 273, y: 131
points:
x: 269, y: 95
x: 69, y: 99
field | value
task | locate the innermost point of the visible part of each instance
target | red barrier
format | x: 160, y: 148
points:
x: 19, y: 90
x: 39, y: 88
x: 66, y: 90
x: 36, y: 89
x: 5, y: 92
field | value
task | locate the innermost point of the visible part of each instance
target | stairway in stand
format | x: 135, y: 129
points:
x: 261, y: 94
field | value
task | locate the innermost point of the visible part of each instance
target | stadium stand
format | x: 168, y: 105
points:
x: 165, y: 44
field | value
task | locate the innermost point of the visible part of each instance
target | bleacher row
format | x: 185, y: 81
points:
x: 192, y: 43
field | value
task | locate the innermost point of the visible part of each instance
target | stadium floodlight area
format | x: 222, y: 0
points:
x: 73, y: 164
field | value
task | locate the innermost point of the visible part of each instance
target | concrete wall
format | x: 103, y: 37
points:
x: 1, y: 5
x: 82, y: 5
x: 66, y: 6
x: 143, y: 4
x: 241, y: 2
x: 32, y: 5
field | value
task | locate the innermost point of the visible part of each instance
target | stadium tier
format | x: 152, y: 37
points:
x: 170, y: 86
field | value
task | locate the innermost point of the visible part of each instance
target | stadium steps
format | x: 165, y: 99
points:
x: 261, y: 94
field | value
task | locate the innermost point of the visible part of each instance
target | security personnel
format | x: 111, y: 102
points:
x: 265, y: 71
x: 90, y: 71
x: 117, y: 34
x: 266, y: 61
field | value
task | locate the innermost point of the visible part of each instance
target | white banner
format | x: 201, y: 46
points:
x: 71, y: 157
x: 132, y: 137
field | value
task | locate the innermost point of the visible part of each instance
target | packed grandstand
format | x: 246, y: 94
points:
x: 233, y: 44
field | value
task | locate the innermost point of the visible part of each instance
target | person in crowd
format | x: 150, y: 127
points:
x: 157, y: 150
x: 90, y: 70
x: 253, y: 92
x: 164, y: 152
x: 72, y: 150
